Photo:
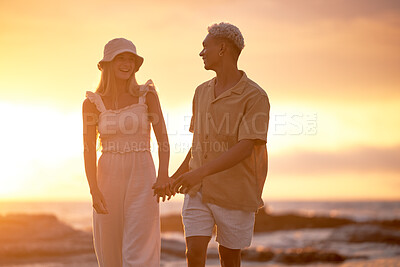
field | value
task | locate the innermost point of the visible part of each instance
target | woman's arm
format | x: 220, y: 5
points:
x: 160, y: 131
x: 90, y: 118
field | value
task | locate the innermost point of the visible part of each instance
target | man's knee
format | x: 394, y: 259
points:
x: 196, y: 249
x: 195, y: 254
x: 229, y: 257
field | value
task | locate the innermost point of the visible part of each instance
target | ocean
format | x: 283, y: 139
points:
x: 79, y: 214
x: 364, y: 244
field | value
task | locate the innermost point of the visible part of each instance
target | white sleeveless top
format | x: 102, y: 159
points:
x: 126, y: 129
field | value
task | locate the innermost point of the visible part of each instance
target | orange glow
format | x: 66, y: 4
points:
x: 337, y: 69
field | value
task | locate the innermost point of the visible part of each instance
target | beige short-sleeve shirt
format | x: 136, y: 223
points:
x: 217, y: 124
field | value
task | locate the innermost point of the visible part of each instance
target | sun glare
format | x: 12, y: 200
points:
x: 36, y: 139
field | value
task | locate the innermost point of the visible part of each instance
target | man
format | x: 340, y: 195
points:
x: 224, y: 172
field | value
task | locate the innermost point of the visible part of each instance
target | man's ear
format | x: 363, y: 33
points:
x: 222, y: 47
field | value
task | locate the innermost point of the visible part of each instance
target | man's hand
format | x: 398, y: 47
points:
x: 186, y: 181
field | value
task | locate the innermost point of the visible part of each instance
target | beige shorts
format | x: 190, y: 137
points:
x: 234, y: 227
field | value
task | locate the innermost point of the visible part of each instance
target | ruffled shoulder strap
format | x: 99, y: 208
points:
x: 145, y: 88
x: 96, y: 99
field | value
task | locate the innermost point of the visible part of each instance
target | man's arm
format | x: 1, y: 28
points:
x: 228, y: 159
x: 184, y: 166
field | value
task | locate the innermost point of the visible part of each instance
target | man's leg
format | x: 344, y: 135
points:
x: 229, y: 257
x: 199, y: 223
x: 196, y: 250
x: 234, y: 232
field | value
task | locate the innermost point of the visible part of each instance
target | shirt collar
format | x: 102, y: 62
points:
x: 237, y: 89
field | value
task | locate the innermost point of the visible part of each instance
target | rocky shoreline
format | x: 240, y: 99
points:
x: 41, y: 238
x: 266, y: 222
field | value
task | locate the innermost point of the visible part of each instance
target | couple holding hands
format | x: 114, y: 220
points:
x: 222, y: 175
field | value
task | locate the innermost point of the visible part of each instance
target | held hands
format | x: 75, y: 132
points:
x: 162, y: 188
x: 99, y: 202
x: 186, y: 181
x: 168, y: 187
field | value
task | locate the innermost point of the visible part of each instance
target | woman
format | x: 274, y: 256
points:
x: 126, y: 214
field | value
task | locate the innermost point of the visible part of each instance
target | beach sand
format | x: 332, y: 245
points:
x: 90, y: 261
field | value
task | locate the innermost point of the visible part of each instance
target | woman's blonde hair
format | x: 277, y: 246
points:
x: 108, y: 86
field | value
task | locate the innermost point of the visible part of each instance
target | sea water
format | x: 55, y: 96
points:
x: 79, y: 214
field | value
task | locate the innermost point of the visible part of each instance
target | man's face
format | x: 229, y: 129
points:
x: 210, y: 52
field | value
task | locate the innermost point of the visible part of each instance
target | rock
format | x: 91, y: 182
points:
x: 308, y: 255
x: 267, y: 223
x: 14, y: 227
x: 173, y: 247
x: 259, y: 254
x: 395, y: 224
x: 24, y: 236
x: 366, y: 233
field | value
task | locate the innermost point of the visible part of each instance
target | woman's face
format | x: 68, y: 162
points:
x: 123, y: 65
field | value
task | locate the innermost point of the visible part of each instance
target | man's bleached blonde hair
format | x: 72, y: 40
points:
x: 227, y: 31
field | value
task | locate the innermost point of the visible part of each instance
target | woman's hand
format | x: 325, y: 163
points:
x: 99, y: 202
x: 162, y: 188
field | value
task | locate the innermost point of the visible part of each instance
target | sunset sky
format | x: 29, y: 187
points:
x: 331, y: 70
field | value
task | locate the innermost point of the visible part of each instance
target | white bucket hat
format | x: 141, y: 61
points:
x: 117, y: 46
